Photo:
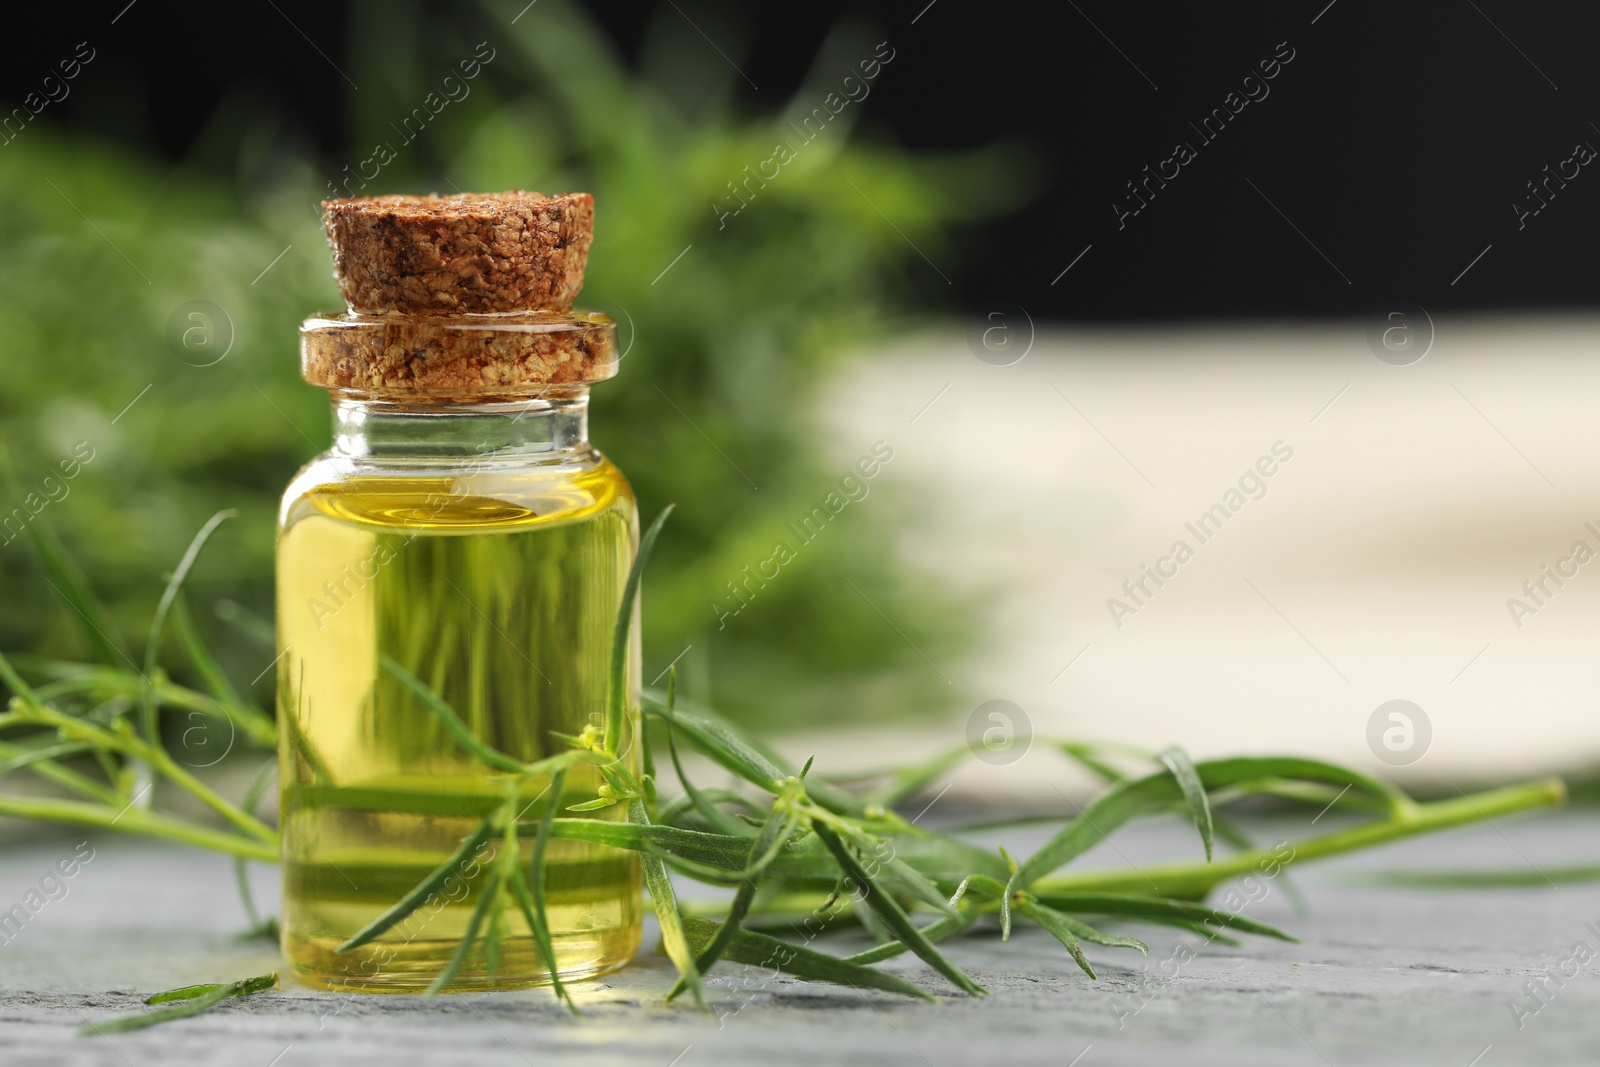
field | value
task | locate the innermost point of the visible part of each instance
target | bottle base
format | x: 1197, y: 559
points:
x: 412, y: 968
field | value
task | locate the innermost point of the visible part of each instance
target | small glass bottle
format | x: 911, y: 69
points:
x: 463, y: 527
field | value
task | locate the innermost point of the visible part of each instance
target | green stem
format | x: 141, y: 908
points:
x: 1193, y: 880
x: 299, y: 743
x: 107, y: 683
x: 233, y: 813
x: 157, y: 758
x: 63, y: 776
x: 138, y: 821
x: 258, y: 727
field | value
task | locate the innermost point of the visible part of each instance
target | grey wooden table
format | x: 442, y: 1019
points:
x: 1383, y: 976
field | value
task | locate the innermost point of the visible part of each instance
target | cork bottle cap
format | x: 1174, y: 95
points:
x: 474, y: 253
x: 460, y: 297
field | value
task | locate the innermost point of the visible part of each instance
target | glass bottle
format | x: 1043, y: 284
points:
x: 463, y: 529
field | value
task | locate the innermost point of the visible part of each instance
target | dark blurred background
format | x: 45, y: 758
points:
x: 1396, y: 141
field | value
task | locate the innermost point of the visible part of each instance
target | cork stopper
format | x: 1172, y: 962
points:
x: 474, y: 253
x: 464, y: 296
x: 417, y: 357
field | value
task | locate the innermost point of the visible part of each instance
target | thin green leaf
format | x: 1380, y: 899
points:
x: 935, y: 931
x: 617, y: 691
x: 979, y: 886
x: 1051, y: 920
x: 258, y: 725
x: 88, y: 615
x: 594, y: 805
x: 158, y: 623
x: 763, y: 857
x: 1319, y: 796
x: 541, y: 934
x: 494, y: 934
x: 1159, y: 791
x: 623, y: 786
x: 713, y: 850
x: 893, y: 916
x: 1069, y: 931
x: 909, y: 781
x: 1007, y: 894
x: 299, y: 743
x: 16, y: 757
x: 1290, y: 771
x: 775, y: 832
x: 259, y: 928
x: 187, y: 992
x: 759, y: 950
x: 1503, y: 879
x: 247, y: 622
x: 1176, y: 760
x: 121, y: 817
x: 49, y: 768
x: 1242, y: 841
x: 1132, y: 904
x: 677, y: 807
x: 647, y: 752
x: 420, y: 893
x: 193, y: 1004
x: 716, y: 818
x: 947, y: 861
x: 869, y: 920
x: 200, y: 657
x: 898, y: 870
x: 702, y: 872
x: 14, y: 682
x: 1085, y: 932
x: 538, y: 917
x: 670, y: 918
x: 717, y: 738
x: 460, y: 731
x: 1193, y: 927
x: 735, y: 749
x: 486, y: 901
x: 1091, y: 755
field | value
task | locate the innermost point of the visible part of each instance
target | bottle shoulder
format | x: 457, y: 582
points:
x: 485, y: 492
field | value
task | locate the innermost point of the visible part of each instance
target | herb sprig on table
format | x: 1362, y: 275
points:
x: 801, y: 851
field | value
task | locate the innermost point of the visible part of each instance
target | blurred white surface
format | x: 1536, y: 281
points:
x: 1375, y: 564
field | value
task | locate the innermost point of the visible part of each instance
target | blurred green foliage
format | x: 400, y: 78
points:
x: 98, y: 249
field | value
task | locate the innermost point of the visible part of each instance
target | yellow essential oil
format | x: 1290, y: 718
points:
x: 462, y: 529
x: 505, y: 605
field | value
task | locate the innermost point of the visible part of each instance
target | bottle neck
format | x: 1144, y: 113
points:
x: 540, y: 429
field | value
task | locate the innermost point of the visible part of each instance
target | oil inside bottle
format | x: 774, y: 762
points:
x: 499, y: 591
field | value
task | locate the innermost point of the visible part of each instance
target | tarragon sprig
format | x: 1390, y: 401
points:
x: 801, y: 851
